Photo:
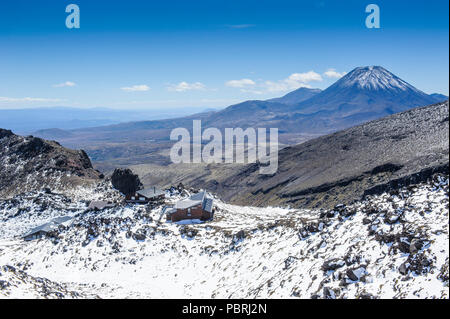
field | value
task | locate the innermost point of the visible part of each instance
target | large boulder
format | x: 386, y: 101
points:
x: 333, y: 264
x: 125, y: 181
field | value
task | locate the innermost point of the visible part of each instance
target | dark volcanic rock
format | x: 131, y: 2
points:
x: 415, y: 246
x: 350, y: 273
x: 125, y: 181
x: 31, y: 164
x: 329, y: 293
x: 33, y: 147
x: 332, y: 264
x: 404, y: 268
x: 139, y: 236
x: 240, y: 235
x: 5, y: 133
x: 84, y: 160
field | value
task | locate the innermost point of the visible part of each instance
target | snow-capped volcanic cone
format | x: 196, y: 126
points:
x: 364, y: 94
x: 367, y: 91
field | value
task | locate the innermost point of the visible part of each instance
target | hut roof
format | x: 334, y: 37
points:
x: 150, y: 192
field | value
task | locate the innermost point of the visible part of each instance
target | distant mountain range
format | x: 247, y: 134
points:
x: 29, y: 120
x: 297, y: 96
x: 439, y: 97
x: 362, y: 95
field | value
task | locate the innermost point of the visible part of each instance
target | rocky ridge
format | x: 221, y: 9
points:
x: 31, y: 163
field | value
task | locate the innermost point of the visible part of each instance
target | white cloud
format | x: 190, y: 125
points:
x: 305, y: 77
x: 65, y: 84
x: 136, y: 88
x: 185, y: 86
x: 27, y: 99
x: 332, y: 73
x: 281, y: 86
x: 240, y: 83
x: 294, y: 81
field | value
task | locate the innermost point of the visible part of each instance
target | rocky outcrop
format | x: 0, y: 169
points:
x: 5, y: 133
x: 30, y: 163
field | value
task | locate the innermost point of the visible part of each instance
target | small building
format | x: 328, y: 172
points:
x: 45, y: 229
x: 40, y: 231
x: 64, y: 220
x: 99, y: 205
x: 198, y: 206
x: 146, y: 195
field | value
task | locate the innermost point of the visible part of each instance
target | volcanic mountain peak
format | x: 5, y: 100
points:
x: 364, y: 94
x: 374, y: 78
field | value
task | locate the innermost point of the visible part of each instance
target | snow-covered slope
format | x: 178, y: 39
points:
x: 394, y: 245
x: 375, y: 78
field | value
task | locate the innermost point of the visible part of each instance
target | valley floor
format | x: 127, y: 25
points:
x: 395, y: 245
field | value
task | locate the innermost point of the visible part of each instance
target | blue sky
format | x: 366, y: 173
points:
x: 168, y: 54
